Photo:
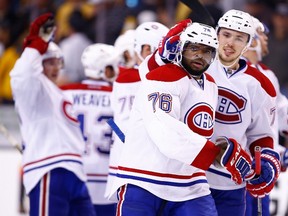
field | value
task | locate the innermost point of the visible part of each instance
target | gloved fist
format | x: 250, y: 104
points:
x: 168, y: 47
x: 235, y: 160
x: 41, y: 33
x: 262, y: 184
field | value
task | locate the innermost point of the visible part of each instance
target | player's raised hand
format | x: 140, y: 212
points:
x: 262, y: 184
x: 169, y: 45
x: 235, y: 159
x: 41, y: 32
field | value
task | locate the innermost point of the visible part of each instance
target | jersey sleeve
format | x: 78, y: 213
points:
x: 29, y: 64
x: 150, y: 63
x: 260, y: 132
x: 25, y: 77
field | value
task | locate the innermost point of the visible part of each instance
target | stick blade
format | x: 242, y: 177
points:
x: 199, y: 12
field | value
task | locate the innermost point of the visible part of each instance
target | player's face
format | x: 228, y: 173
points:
x: 231, y: 45
x: 109, y: 72
x: 197, y: 57
x: 264, y: 43
x: 129, y: 60
x: 146, y: 50
x: 52, y: 67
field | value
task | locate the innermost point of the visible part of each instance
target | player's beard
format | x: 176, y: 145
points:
x: 186, y: 63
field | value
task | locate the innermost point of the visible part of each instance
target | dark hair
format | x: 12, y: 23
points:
x: 77, y: 21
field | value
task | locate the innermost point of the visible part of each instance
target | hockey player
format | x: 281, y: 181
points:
x: 167, y: 147
x: 245, y: 111
x: 54, y: 177
x: 254, y: 54
x: 146, y: 39
x: 91, y: 101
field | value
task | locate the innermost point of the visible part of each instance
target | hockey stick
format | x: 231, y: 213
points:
x: 258, y: 172
x: 199, y: 12
x: 11, y: 139
x: 116, y: 129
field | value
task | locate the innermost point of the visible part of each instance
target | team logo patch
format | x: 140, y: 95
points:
x: 68, y: 111
x: 200, y: 119
x: 230, y: 106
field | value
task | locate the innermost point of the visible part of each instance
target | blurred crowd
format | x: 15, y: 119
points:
x: 84, y: 22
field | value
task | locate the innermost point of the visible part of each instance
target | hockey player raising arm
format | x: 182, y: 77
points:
x: 52, y: 161
x: 167, y: 149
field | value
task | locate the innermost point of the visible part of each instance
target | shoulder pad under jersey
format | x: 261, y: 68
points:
x: 167, y: 73
x: 264, y: 81
x: 128, y: 75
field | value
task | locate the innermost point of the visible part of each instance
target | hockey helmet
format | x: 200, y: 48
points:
x: 238, y: 21
x: 150, y: 33
x: 96, y: 57
x: 125, y: 42
x: 194, y: 34
x: 53, y: 51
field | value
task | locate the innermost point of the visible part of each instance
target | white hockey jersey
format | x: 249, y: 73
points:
x: 245, y: 112
x: 91, y: 101
x: 122, y: 98
x: 48, y: 126
x: 166, y: 148
x: 281, y: 120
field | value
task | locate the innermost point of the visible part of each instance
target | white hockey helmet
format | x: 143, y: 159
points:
x: 150, y: 33
x: 201, y: 34
x: 96, y: 57
x: 259, y: 27
x: 125, y: 42
x: 198, y: 33
x: 238, y: 21
x: 53, y: 51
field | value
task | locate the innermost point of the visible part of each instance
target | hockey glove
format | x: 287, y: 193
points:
x: 262, y: 184
x: 235, y: 160
x: 41, y: 32
x: 169, y: 45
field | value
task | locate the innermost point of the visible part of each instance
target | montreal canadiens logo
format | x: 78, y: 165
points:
x: 68, y: 111
x: 230, y: 106
x: 200, y: 120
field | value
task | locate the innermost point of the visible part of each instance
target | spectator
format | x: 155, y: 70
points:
x: 72, y: 48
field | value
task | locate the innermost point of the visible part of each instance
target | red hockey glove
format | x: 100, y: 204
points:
x: 235, y: 160
x: 262, y: 184
x: 169, y: 45
x: 41, y: 33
